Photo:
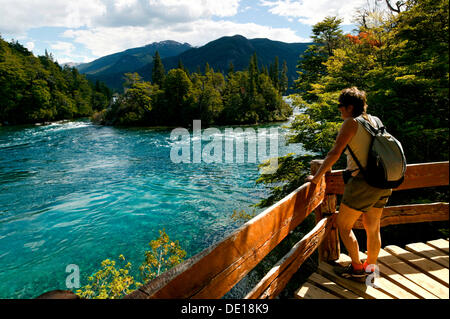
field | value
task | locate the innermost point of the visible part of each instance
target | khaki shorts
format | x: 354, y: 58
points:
x: 361, y: 196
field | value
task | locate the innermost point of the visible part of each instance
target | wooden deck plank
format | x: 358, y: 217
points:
x: 403, y: 282
x: 387, y: 286
x: 329, y: 285
x: 413, y: 274
x: 310, y: 291
x: 429, y: 267
x: 400, y: 275
x: 429, y: 252
x: 439, y: 244
x: 360, y: 289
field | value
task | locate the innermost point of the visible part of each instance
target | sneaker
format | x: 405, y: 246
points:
x: 367, y: 269
x: 350, y: 273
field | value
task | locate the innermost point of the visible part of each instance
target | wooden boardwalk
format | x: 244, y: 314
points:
x: 418, y: 271
x: 214, y: 271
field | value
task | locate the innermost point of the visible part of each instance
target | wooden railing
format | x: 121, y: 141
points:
x: 214, y: 271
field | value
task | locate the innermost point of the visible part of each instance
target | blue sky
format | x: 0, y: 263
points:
x: 83, y: 30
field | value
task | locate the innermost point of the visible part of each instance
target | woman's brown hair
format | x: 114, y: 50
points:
x: 355, y: 97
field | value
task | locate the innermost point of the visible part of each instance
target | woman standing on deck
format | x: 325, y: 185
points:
x: 359, y: 197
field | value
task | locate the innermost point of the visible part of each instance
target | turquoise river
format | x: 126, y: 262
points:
x: 77, y: 193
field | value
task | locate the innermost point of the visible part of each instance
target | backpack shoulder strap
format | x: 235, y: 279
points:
x: 369, y: 128
x: 380, y: 125
x: 355, y: 158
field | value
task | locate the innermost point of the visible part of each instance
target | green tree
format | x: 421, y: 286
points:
x: 163, y: 255
x: 328, y: 33
x: 230, y: 68
x: 327, y: 36
x: 275, y: 73
x: 182, y: 67
x: 130, y: 79
x: 35, y: 89
x: 114, y: 280
x: 158, y: 72
x: 207, y: 68
x: 134, y: 106
x: 109, y: 282
x: 177, y: 87
x: 253, y: 72
x: 233, y: 97
x: 207, y: 98
x: 284, y: 80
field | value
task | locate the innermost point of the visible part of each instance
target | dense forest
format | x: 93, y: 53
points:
x: 178, y: 97
x: 37, y: 89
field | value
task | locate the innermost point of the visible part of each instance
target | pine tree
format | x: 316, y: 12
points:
x: 274, y: 73
x: 284, y: 78
x: 231, y: 68
x: 158, y: 72
x: 182, y: 67
x: 207, y: 68
x: 253, y: 74
x: 328, y: 32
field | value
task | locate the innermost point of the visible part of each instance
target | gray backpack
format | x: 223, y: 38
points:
x: 386, y: 163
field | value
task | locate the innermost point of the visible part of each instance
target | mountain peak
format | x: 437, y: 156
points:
x: 233, y: 37
x: 132, y: 58
x: 238, y: 36
x: 168, y: 43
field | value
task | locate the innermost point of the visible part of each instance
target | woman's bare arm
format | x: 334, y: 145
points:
x: 346, y: 133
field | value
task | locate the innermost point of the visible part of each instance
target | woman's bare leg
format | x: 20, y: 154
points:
x: 345, y: 220
x: 371, y: 221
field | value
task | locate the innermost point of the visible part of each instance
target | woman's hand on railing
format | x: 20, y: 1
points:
x: 312, y: 179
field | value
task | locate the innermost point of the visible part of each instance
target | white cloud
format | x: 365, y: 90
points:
x: 29, y: 45
x: 74, y: 58
x: 163, y: 12
x: 18, y: 16
x: 66, y: 52
x: 65, y: 48
x: 313, y: 11
x: 103, y: 41
x: 108, y: 26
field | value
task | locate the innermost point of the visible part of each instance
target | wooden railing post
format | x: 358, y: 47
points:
x: 329, y: 250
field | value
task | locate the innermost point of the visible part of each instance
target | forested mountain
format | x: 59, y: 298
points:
x: 238, y: 51
x: 110, y: 68
x: 37, y: 89
x: 218, y: 54
x: 132, y: 59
